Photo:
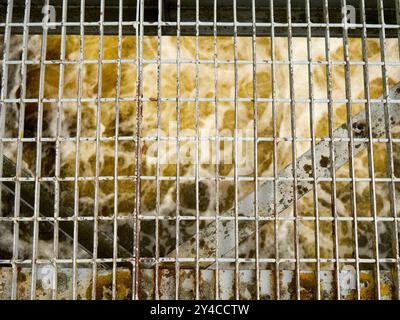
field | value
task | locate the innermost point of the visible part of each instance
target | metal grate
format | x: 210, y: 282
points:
x: 99, y: 201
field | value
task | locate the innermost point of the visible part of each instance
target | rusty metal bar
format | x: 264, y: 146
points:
x: 138, y: 155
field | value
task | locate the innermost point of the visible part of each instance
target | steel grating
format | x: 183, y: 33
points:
x: 102, y: 101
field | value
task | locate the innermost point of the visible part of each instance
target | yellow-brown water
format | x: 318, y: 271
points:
x: 207, y: 113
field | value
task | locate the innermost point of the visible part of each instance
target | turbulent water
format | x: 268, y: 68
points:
x: 208, y: 116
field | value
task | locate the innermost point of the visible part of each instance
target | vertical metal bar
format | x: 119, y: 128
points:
x: 312, y: 131
x: 294, y: 151
x: 255, y: 119
x: 98, y: 134
x: 396, y: 226
x: 397, y: 5
x: 21, y: 123
x: 4, y: 83
x: 38, y: 161
x: 217, y: 145
x: 57, y: 147
x: 197, y: 165
x: 178, y: 107
x: 118, y: 90
x: 389, y: 144
x: 157, y: 238
x: 275, y: 150
x: 235, y: 157
x: 349, y: 109
x: 332, y: 148
x: 367, y: 96
x: 77, y: 149
x: 139, y: 96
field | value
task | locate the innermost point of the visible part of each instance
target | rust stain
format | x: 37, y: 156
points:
x: 308, y: 286
x: 324, y: 162
x: 104, y: 287
x: 368, y: 288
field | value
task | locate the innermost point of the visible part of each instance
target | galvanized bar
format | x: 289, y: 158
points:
x: 4, y: 79
x: 38, y: 160
x: 396, y: 226
x: 77, y: 149
x: 332, y: 149
x: 157, y: 232
x: 217, y: 154
x: 370, y: 135
x: 294, y: 149
x: 204, y: 261
x: 138, y: 156
x: 255, y: 133
x: 235, y: 151
x: 5, y: 48
x: 388, y: 134
x: 98, y: 133
x: 116, y: 155
x: 312, y: 131
x: 21, y: 124
x: 349, y: 110
x: 192, y: 178
x: 57, y: 151
x: 17, y: 61
x: 85, y: 99
x: 181, y: 138
x: 177, y: 110
x: 197, y: 162
x: 275, y: 156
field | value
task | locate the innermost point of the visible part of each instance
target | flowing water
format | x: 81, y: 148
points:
x: 212, y: 118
